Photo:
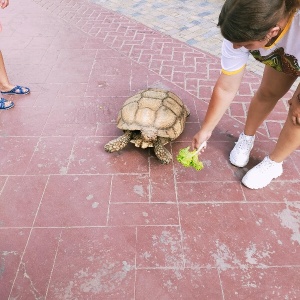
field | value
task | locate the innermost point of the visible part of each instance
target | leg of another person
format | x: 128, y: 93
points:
x: 274, y: 86
x: 5, y: 85
x: 288, y: 141
x: 271, y: 167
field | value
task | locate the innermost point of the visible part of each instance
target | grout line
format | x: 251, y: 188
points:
x: 29, y: 235
x: 150, y: 189
x: 221, y: 284
x: 39, y: 139
x: 5, y: 181
x: 109, y: 201
x: 135, y: 259
x: 70, y: 158
x: 216, y: 268
x: 54, y: 261
x: 95, y: 226
x: 178, y: 212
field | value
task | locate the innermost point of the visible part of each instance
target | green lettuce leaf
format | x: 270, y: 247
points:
x: 189, y: 159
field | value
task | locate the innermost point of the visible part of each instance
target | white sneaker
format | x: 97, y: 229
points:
x: 239, y: 155
x: 262, y: 174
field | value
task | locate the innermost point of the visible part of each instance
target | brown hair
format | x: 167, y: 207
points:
x: 250, y: 20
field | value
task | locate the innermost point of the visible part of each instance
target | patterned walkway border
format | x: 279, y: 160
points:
x: 192, y: 22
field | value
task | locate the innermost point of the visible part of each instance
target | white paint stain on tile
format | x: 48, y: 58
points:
x: 95, y: 204
x: 259, y: 222
x: 83, y: 273
x: 250, y: 252
x: 145, y: 214
x: 65, y: 293
x: 138, y: 189
x: 5, y: 253
x: 166, y: 238
x: 290, y: 218
x: 256, y: 257
x: 169, y: 244
x: 225, y: 259
x: 89, y: 197
x: 81, y: 161
x: 63, y: 170
x: 146, y: 255
x: 207, y: 162
x: 106, y: 279
x: 178, y: 274
x: 72, y: 157
x: 171, y: 287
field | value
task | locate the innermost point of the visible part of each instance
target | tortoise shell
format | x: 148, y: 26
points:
x: 154, y: 109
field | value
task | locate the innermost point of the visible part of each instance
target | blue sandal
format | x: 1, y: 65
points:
x: 18, y: 90
x: 3, y: 102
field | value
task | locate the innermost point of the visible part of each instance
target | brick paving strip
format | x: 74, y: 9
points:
x: 193, y: 70
x: 194, y: 23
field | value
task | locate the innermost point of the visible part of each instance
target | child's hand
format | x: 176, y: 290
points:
x: 199, y: 138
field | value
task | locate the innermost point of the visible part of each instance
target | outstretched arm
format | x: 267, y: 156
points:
x: 224, y: 92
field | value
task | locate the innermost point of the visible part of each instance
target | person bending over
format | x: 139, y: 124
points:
x: 270, y: 32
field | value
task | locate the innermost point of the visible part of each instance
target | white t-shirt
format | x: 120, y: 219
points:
x: 283, y: 55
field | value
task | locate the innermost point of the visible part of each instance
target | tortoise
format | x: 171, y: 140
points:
x: 151, y: 118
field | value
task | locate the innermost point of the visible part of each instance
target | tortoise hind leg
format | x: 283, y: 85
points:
x: 161, y: 152
x: 118, y: 143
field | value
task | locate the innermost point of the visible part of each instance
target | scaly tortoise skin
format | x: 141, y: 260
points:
x: 151, y: 118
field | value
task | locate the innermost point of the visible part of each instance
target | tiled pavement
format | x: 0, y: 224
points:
x: 79, y: 223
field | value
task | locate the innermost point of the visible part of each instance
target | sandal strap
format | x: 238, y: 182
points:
x: 16, y: 88
x: 23, y: 89
x: 2, y: 103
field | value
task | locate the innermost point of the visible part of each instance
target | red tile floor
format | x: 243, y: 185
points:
x: 79, y: 223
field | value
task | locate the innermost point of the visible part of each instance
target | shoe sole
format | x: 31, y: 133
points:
x: 237, y: 165
x: 4, y: 93
x: 255, y: 187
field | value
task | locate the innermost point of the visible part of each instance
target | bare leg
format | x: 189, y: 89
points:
x: 5, y: 85
x: 288, y: 141
x: 274, y: 86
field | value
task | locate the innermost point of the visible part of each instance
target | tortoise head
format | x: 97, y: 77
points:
x: 149, y: 134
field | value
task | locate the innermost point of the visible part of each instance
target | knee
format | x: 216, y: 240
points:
x: 265, y: 94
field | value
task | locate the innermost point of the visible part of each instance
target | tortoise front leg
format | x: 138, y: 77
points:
x: 118, y: 143
x: 161, y: 152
